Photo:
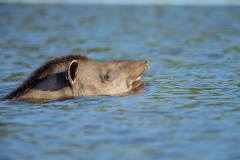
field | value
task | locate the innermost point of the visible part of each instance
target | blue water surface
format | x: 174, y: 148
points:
x: 189, y: 108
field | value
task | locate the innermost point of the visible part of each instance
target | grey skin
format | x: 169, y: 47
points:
x: 75, y: 75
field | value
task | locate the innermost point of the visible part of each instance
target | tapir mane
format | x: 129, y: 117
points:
x: 43, y: 71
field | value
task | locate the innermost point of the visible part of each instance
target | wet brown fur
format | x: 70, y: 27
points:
x: 42, y: 72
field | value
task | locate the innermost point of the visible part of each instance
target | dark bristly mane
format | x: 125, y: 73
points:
x: 40, y: 73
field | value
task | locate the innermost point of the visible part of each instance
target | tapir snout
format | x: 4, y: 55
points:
x: 75, y: 75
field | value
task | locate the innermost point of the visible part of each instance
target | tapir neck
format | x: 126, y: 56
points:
x: 53, y: 87
x: 45, y: 96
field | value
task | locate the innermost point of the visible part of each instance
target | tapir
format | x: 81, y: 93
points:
x: 75, y: 75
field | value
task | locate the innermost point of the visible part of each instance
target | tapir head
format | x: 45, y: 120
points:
x: 108, y: 78
x: 72, y: 76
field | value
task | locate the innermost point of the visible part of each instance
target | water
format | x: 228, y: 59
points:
x: 189, y: 108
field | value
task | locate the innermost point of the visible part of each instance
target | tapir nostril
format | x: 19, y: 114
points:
x: 147, y: 65
x: 145, y: 61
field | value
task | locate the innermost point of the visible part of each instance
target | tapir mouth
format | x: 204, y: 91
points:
x: 137, y: 81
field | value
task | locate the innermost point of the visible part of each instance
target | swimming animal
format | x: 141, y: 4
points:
x: 76, y: 75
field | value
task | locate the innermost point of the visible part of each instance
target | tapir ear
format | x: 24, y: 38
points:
x: 72, y: 71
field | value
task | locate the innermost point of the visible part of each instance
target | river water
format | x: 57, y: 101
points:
x: 189, y: 108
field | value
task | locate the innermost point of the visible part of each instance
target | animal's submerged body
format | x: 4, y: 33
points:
x: 75, y: 75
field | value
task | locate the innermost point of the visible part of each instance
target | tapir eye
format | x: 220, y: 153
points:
x: 108, y: 77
